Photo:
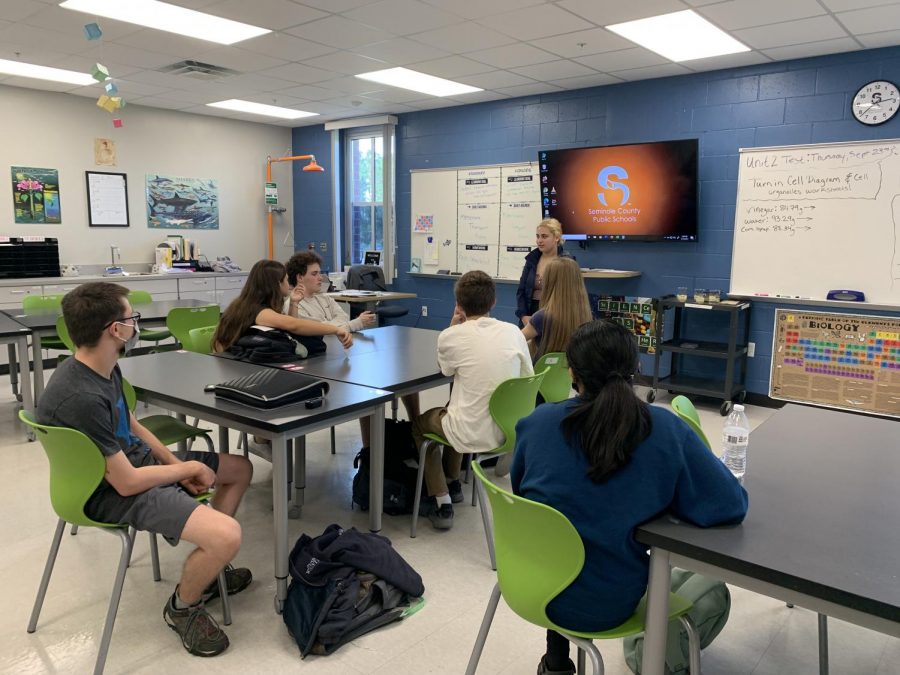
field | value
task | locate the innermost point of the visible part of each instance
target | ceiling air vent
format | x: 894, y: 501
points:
x: 198, y: 70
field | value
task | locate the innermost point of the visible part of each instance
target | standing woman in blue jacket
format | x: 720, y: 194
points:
x: 549, y: 246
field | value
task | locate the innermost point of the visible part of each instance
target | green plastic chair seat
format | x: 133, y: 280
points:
x: 46, y: 303
x: 148, y: 334
x: 166, y: 428
x: 200, y: 339
x: 557, y: 384
x: 181, y: 320
x: 683, y: 407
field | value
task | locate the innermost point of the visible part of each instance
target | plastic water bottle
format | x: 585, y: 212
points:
x: 735, y: 438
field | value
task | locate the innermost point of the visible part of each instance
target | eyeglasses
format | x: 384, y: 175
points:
x: 136, y: 316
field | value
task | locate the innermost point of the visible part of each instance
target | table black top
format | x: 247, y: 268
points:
x: 824, y: 503
x: 179, y: 377
x: 150, y: 311
x: 11, y: 328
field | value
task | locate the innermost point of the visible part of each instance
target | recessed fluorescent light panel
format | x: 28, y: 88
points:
x: 45, y: 73
x: 261, y: 109
x: 410, y: 79
x: 680, y: 36
x: 170, y: 18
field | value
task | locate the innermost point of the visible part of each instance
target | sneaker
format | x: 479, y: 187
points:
x: 441, y: 517
x: 200, y: 634
x: 544, y: 670
x: 456, y: 492
x: 236, y: 580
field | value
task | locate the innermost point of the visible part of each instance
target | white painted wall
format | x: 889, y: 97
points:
x: 57, y: 131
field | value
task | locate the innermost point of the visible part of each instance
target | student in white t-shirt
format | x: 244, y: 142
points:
x: 479, y: 352
x: 306, y: 301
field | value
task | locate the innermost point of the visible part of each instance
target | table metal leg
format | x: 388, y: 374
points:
x: 38, y: 366
x: 13, y: 371
x: 376, y: 468
x: 24, y: 380
x: 299, y: 444
x: 181, y: 445
x: 657, y: 613
x: 823, y: 644
x: 279, y: 508
x: 223, y: 440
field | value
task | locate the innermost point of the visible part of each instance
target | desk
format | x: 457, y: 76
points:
x: 44, y: 323
x: 175, y: 380
x: 16, y: 335
x: 821, y: 531
x: 375, y: 296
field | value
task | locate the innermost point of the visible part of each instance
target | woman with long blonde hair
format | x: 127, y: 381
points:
x: 564, y: 307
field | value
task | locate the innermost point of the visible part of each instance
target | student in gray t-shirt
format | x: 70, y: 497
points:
x: 146, y: 485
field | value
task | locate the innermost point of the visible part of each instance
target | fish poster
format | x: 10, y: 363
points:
x: 36, y: 195
x: 178, y: 203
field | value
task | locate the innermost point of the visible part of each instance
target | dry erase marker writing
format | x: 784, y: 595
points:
x: 761, y: 295
x: 793, y: 297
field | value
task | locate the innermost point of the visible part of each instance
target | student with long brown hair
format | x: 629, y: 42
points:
x: 260, y: 304
x: 564, y: 307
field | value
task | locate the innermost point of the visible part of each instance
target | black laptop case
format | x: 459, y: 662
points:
x: 271, y: 388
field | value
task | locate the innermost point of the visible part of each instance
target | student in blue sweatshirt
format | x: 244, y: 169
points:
x: 610, y: 462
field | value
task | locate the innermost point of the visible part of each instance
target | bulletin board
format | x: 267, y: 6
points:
x: 845, y: 361
x: 480, y: 217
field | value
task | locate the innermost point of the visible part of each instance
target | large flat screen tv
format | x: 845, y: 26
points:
x: 643, y: 192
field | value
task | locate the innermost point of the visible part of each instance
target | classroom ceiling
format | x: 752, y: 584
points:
x: 506, y: 47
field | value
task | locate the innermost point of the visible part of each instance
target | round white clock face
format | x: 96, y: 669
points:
x: 876, y: 102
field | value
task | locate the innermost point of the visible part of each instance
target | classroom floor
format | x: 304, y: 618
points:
x: 762, y: 637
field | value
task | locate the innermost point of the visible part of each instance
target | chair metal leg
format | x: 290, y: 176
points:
x: 333, y: 450
x: 132, y: 533
x: 114, y: 600
x: 210, y: 447
x: 488, y: 525
x: 589, y: 648
x: 45, y: 578
x: 579, y: 662
x: 823, y: 644
x: 693, y: 643
x: 423, y: 449
x: 226, y: 602
x: 154, y: 556
x: 483, y: 631
x: 74, y: 530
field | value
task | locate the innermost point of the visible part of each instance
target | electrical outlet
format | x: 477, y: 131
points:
x: 424, y: 310
x: 751, y: 349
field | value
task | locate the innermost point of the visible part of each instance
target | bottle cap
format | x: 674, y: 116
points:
x: 738, y: 407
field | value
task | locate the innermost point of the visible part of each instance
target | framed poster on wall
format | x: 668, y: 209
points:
x: 107, y: 198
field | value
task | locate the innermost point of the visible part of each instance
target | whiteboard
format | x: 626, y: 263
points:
x: 480, y: 217
x: 812, y: 218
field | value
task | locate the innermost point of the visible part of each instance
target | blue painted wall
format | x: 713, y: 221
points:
x: 792, y: 102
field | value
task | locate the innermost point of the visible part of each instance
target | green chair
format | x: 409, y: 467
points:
x: 166, y: 428
x: 46, y: 303
x: 685, y: 410
x: 62, y: 330
x: 156, y: 335
x: 76, y: 468
x: 512, y: 400
x: 181, y: 320
x: 557, y: 384
x: 200, y: 339
x: 539, y: 554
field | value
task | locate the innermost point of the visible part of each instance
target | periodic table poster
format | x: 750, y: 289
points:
x: 845, y: 361
x: 637, y: 315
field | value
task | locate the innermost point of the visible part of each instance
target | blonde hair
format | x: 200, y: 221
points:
x: 565, y: 303
x: 553, y: 225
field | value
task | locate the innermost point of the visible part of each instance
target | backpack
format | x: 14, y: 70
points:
x: 400, y: 470
x: 267, y: 346
x: 712, y: 604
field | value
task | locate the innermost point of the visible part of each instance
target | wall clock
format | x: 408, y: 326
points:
x: 876, y: 102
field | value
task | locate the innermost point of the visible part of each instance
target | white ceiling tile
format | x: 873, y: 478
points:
x: 496, y: 79
x: 530, y: 89
x: 35, y: 55
x: 636, y: 57
x: 596, y: 80
x: 474, y: 97
x: 737, y: 14
x: 271, y: 14
x: 791, y: 33
x: 463, y: 37
x: 400, y: 51
x: 474, y: 9
x: 347, y: 63
x: 238, y: 59
x: 339, y: 32
x: 402, y: 17
x: 251, y: 82
x: 132, y: 89
x: 554, y: 70
x: 512, y: 56
x: 607, y: 13
x: 325, y: 108
x: 836, y: 46
x: 299, y: 73
x: 845, y: 5
x: 452, y: 66
x: 70, y: 22
x: 652, y: 72
x: 739, y: 60
x: 84, y: 64
x: 888, y: 38
x: 359, y: 103
x: 163, y: 102
x: 337, y: 6
x: 278, y: 99
x: 872, y: 19
x: 21, y: 37
x: 177, y: 46
x: 309, y: 92
x: 535, y: 22
x: 583, y: 43
x: 351, y: 85
x: 394, y: 95
x: 130, y: 56
x: 283, y: 46
x: 16, y: 10
x: 44, y: 85
x: 700, y: 3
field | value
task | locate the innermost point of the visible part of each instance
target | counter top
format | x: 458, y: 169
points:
x: 118, y: 278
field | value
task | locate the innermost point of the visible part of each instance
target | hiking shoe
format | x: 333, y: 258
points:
x: 544, y: 670
x: 456, y: 493
x: 236, y: 580
x: 200, y: 634
x: 441, y: 517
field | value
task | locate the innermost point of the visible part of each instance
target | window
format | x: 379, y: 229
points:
x: 365, y: 195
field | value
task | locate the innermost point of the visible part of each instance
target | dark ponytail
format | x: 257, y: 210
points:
x: 609, y: 421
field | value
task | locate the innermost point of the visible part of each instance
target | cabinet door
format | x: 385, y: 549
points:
x: 206, y: 296
x: 193, y: 285
x: 11, y: 296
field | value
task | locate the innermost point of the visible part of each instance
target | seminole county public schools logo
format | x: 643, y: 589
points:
x: 606, y: 182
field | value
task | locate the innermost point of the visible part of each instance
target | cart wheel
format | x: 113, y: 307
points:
x: 741, y: 397
x: 725, y: 408
x: 651, y: 396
